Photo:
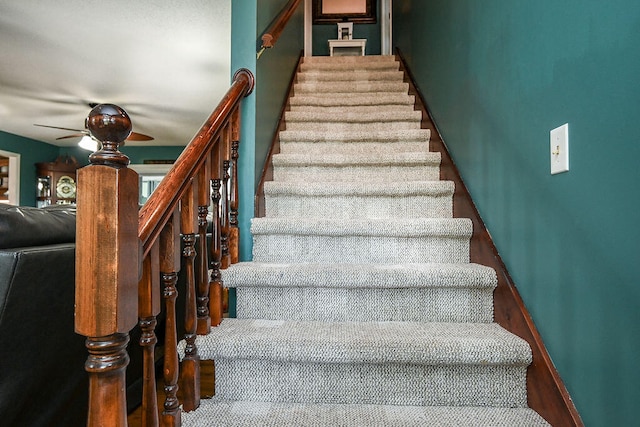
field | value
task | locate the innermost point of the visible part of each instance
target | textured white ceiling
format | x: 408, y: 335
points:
x: 166, y: 62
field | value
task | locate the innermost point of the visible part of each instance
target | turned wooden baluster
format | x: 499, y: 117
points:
x: 149, y: 307
x: 234, y: 197
x: 169, y: 267
x: 107, y: 264
x: 225, y: 154
x: 204, y: 319
x: 190, y: 367
x: 215, y: 248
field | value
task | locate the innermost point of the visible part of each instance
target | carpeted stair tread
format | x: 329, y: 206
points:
x: 222, y: 413
x: 351, y: 87
x: 372, y: 189
x: 338, y: 126
x: 337, y: 101
x: 410, y: 240
x: 402, y: 363
x: 363, y: 292
x: 368, y: 59
x: 359, y: 199
x: 406, y: 135
x: 375, y: 159
x: 355, y: 75
x: 354, y: 115
x: 416, y: 343
x: 401, y: 227
x: 257, y: 274
x: 352, y: 147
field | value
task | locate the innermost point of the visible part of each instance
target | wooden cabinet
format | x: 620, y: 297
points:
x: 56, y: 182
x: 4, y: 179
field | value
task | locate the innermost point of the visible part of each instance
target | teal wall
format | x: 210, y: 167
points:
x: 32, y: 152
x: 498, y: 76
x: 323, y: 32
x: 260, y: 111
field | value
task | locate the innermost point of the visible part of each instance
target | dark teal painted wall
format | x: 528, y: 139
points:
x: 260, y: 111
x: 323, y: 32
x: 275, y: 69
x: 31, y: 152
x: 499, y: 75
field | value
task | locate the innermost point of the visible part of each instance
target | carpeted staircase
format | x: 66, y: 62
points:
x: 361, y: 307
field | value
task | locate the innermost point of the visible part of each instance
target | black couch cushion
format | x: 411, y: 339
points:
x: 22, y: 226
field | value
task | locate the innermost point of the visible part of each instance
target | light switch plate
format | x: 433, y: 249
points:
x: 559, y: 149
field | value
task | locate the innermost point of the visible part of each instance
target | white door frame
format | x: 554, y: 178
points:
x: 386, y: 30
x: 308, y: 28
x: 14, y: 176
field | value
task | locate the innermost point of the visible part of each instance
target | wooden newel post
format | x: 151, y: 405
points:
x: 107, y: 264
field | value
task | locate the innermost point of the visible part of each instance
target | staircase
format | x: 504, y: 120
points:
x: 360, y: 306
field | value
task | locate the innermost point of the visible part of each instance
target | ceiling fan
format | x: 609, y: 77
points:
x: 79, y: 133
x: 87, y: 140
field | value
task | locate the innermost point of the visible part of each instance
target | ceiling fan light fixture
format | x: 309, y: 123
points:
x: 88, y: 143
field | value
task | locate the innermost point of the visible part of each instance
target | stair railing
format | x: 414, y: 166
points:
x: 272, y: 34
x: 125, y: 254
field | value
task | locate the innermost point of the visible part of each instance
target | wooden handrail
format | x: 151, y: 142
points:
x: 271, y: 34
x: 160, y: 205
x: 124, y: 256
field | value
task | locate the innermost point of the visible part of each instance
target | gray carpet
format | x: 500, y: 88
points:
x: 360, y: 307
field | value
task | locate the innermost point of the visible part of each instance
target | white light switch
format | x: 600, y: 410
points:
x: 559, y: 149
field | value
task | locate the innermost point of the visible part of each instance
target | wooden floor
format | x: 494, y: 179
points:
x: 206, y: 390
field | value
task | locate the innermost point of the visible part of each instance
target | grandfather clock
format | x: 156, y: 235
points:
x: 56, y: 182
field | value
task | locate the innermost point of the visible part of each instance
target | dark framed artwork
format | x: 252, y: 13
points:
x: 332, y: 11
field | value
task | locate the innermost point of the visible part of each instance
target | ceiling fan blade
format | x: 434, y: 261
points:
x: 57, y: 127
x: 75, y: 135
x: 135, y: 136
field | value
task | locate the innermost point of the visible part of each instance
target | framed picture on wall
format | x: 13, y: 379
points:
x: 332, y: 11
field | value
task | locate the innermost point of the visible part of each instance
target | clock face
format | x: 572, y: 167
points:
x: 66, y: 187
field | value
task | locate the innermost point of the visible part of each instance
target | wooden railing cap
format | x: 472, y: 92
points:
x: 110, y: 125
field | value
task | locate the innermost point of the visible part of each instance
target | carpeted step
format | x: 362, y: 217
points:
x: 354, y: 75
x: 341, y: 167
x: 363, y: 292
x: 349, y: 64
x: 408, y: 135
x: 368, y: 59
x: 412, y: 199
x: 385, y: 363
x: 343, y: 88
x: 367, y: 115
x: 369, y: 98
x: 389, y: 241
x: 351, y: 148
x: 223, y: 413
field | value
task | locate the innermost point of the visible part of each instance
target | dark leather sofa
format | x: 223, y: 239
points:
x: 42, y: 376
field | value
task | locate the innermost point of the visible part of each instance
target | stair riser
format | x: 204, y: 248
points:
x: 352, y: 127
x: 351, y: 87
x: 379, y: 66
x: 321, y: 100
x: 350, y: 206
x: 359, y: 249
x: 348, y: 148
x: 341, y: 76
x: 356, y: 173
x: 360, y: 113
x: 366, y: 304
x: 388, y: 384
